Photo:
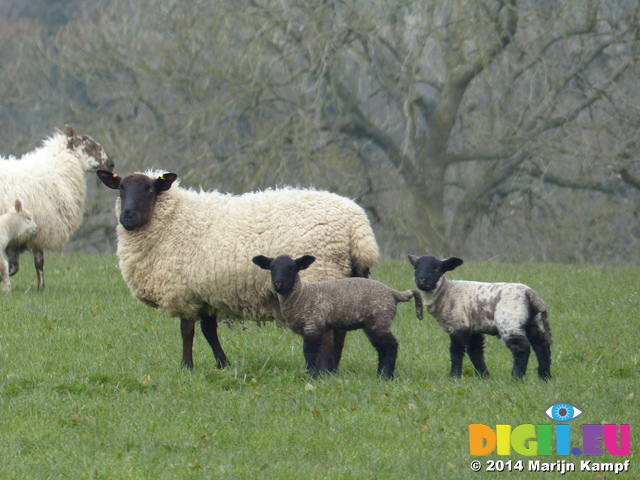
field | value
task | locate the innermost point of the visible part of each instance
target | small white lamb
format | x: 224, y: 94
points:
x: 14, y: 222
x: 467, y: 310
x: 310, y: 309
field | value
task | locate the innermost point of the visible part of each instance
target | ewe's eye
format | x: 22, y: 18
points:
x: 151, y: 190
x: 562, y: 412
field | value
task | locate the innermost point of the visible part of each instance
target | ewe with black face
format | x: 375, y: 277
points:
x: 188, y: 253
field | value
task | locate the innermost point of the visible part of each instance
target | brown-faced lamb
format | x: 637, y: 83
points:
x: 14, y: 222
x: 188, y: 253
x: 467, y: 310
x: 50, y: 180
x: 311, y: 309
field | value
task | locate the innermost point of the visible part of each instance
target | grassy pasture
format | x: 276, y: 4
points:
x: 90, y: 384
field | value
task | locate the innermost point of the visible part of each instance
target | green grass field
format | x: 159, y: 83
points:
x: 91, y: 387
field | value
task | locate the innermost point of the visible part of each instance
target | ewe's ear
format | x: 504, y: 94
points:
x: 111, y: 180
x: 451, y: 263
x: 305, y: 261
x: 262, y: 261
x: 6, y: 206
x: 413, y: 259
x: 164, y: 182
x: 72, y: 139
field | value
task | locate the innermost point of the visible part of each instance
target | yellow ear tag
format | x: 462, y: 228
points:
x: 162, y: 177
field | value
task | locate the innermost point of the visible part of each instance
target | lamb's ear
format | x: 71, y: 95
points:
x: 111, y: 180
x: 451, y: 263
x: 305, y: 261
x: 18, y: 205
x: 164, y: 182
x: 262, y: 261
x: 413, y: 259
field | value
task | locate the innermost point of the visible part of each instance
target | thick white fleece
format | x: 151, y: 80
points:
x: 194, y: 255
x: 51, y: 183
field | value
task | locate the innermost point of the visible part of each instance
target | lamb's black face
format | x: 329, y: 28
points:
x: 284, y: 270
x: 429, y: 270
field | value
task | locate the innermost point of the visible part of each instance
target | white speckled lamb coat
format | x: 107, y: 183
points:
x: 467, y: 310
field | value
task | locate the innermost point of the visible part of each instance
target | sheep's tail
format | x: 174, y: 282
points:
x: 406, y: 296
x: 363, y: 249
x: 539, y: 313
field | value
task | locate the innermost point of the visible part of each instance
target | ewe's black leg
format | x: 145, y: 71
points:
x: 519, y: 347
x: 330, y: 351
x: 187, y: 328
x: 457, y: 347
x: 38, y: 260
x: 310, y: 349
x: 387, y: 347
x: 475, y: 350
x: 209, y: 327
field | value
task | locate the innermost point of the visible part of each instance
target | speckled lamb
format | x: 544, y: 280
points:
x: 467, y: 310
x: 310, y: 309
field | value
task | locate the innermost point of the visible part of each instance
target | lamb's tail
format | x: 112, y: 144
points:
x: 539, y: 313
x: 363, y: 249
x: 406, y: 296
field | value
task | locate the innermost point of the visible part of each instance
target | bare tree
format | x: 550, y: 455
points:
x: 449, y: 121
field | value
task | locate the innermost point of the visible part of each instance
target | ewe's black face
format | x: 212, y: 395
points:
x: 138, y: 194
x: 429, y: 270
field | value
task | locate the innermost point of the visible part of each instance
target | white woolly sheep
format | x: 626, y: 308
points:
x: 467, y: 310
x: 187, y: 253
x: 14, y: 222
x: 51, y: 182
x: 311, y: 309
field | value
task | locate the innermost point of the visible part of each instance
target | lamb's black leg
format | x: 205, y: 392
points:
x: 543, y: 354
x: 387, y: 348
x: 475, y: 350
x: 457, y: 347
x: 539, y: 335
x: 209, y: 327
x: 187, y: 328
x: 310, y: 349
x: 519, y: 347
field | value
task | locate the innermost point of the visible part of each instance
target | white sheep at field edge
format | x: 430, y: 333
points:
x: 50, y: 181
